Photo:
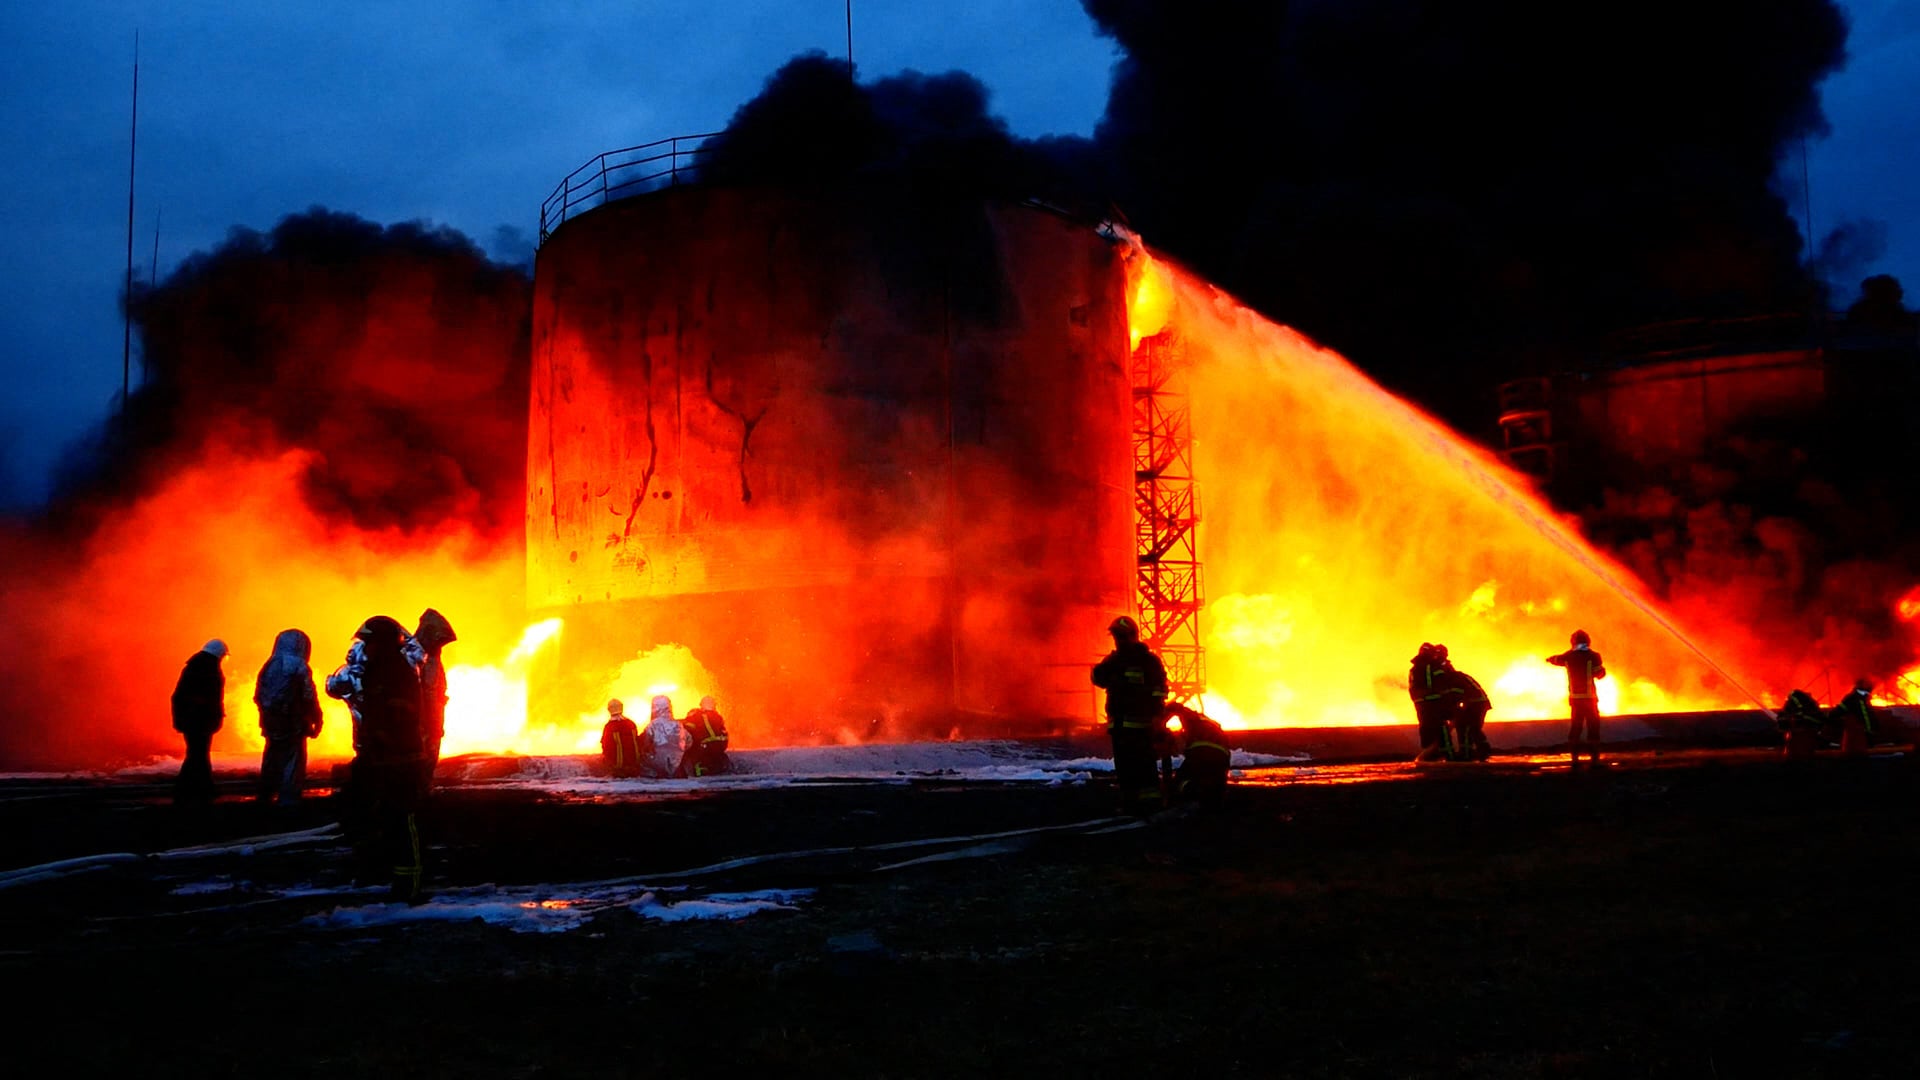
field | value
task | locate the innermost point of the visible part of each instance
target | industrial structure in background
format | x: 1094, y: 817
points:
x: 864, y: 453
x: 1661, y: 396
x: 1166, y: 516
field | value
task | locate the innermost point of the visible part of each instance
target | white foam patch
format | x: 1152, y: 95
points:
x: 547, y: 909
x: 1244, y: 759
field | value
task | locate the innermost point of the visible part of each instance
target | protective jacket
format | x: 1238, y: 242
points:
x: 1424, y: 681
x: 620, y: 747
x: 669, y: 740
x: 1856, y: 707
x: 380, y: 684
x: 199, y: 697
x: 1136, y: 684
x: 707, y: 729
x: 1583, y: 669
x: 434, y: 634
x: 1465, y: 689
x: 284, y: 692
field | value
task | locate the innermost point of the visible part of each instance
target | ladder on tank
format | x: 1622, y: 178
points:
x: 1167, y: 580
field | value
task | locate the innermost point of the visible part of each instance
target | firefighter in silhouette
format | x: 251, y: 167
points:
x: 289, y: 715
x: 381, y: 686
x: 1136, y: 686
x: 706, y: 741
x: 1433, y: 700
x: 620, y: 748
x: 1584, y: 669
x: 1205, y: 760
x: 423, y: 648
x: 1855, y: 718
x: 1802, y: 725
x: 1467, y: 727
x: 199, y: 708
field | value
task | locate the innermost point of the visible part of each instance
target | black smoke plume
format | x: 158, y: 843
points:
x: 397, y: 354
x: 1445, y: 191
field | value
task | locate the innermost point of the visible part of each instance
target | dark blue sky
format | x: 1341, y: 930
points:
x: 401, y: 111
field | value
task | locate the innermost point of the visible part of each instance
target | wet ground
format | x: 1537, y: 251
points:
x: 1672, y: 913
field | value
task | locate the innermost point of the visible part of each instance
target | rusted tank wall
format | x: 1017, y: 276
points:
x: 1673, y: 411
x: 862, y: 459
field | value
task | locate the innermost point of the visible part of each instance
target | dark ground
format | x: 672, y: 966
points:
x: 1718, y: 914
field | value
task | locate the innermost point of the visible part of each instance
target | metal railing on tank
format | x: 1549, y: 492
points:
x: 616, y: 174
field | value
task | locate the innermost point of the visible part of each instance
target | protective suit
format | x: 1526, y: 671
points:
x: 289, y: 708
x: 1583, y: 701
x: 1206, y: 759
x: 381, y: 686
x: 706, y: 741
x: 1433, y: 699
x: 432, y: 635
x: 1854, y: 717
x: 1136, y: 684
x: 1468, y: 725
x: 1801, y: 725
x: 667, y: 740
x: 199, y: 708
x: 620, y: 749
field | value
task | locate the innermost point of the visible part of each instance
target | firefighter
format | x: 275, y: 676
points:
x: 1855, y: 718
x: 199, y: 708
x: 666, y: 738
x: 289, y: 708
x: 620, y: 742
x: 1202, y: 777
x: 1801, y: 725
x: 1432, y: 700
x: 706, y: 741
x: 433, y: 634
x: 1583, y: 670
x: 1467, y: 738
x: 1136, y: 686
x: 382, y: 689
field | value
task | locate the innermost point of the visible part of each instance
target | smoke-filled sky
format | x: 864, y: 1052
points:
x: 466, y: 117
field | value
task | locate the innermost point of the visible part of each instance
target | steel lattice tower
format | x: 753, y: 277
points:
x: 1167, y: 516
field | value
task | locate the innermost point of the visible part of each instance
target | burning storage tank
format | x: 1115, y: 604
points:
x: 867, y: 459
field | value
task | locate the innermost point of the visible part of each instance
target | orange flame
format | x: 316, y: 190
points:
x: 1344, y: 528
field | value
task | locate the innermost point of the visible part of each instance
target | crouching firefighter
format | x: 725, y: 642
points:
x: 1467, y: 736
x: 706, y: 741
x: 382, y: 688
x: 620, y: 743
x: 1136, y: 686
x: 1202, y: 777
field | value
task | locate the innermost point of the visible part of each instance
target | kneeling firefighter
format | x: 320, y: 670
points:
x: 1136, y: 684
x: 706, y: 741
x: 1202, y: 776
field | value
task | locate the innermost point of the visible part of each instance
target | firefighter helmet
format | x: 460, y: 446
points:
x: 1124, y: 626
x: 615, y: 708
x: 1863, y: 685
x: 1580, y: 638
x: 1439, y: 652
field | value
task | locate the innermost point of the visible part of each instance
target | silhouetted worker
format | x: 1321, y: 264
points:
x: 199, y: 707
x: 706, y: 741
x: 667, y: 739
x: 1583, y: 701
x: 1801, y: 725
x: 381, y: 686
x: 1136, y: 684
x: 289, y: 707
x: 1855, y: 718
x: 1202, y: 776
x: 434, y: 634
x: 1470, y: 705
x: 1432, y: 700
x: 620, y: 747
